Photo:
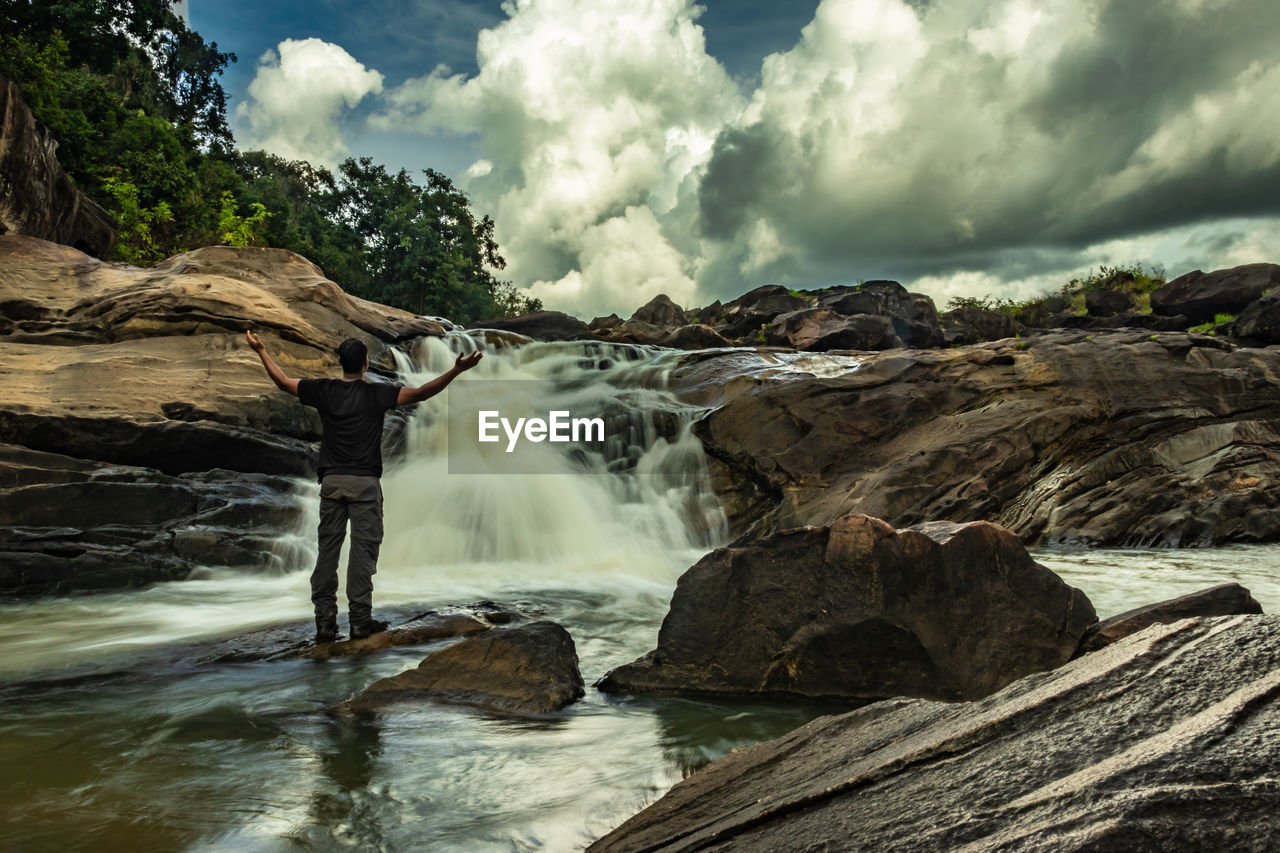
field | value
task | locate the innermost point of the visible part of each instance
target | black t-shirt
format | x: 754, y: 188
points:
x: 352, y: 416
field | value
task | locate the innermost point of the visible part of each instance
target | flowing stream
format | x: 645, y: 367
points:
x: 111, y: 738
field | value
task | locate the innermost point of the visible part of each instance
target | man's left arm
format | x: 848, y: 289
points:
x: 409, y: 395
x: 283, y: 382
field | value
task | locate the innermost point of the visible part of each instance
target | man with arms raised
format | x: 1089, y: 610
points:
x: 351, y: 411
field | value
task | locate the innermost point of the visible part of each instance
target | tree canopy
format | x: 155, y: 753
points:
x: 133, y: 97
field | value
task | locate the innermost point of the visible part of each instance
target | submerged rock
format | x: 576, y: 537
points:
x: 1167, y: 740
x: 862, y: 611
x: 529, y: 669
x: 1228, y: 599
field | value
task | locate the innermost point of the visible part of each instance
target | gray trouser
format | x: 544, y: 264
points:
x: 343, y: 497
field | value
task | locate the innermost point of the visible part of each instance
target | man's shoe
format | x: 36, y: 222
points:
x: 364, y: 629
x: 326, y: 635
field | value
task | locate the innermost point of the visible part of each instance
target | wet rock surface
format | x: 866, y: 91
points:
x: 74, y: 524
x: 1167, y: 740
x: 862, y: 611
x: 297, y: 640
x: 528, y: 669
x: 1116, y: 438
x: 1228, y: 599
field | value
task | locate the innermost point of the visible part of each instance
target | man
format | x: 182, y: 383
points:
x: 351, y: 411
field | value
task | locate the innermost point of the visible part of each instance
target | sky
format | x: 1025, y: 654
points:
x: 626, y: 149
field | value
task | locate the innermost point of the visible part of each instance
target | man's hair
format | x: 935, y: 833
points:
x: 352, y: 354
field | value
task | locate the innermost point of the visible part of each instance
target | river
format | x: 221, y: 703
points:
x: 112, y: 738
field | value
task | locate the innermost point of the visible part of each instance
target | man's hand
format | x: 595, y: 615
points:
x: 284, y: 383
x: 465, y: 362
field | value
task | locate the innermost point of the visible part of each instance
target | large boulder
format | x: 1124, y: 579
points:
x: 913, y: 315
x: 149, y: 367
x: 1200, y: 295
x: 862, y: 611
x: 145, y: 437
x: 822, y: 329
x: 1260, y: 322
x: 1168, y: 740
x: 1117, y: 438
x: 39, y: 199
x: 1227, y: 599
x: 529, y: 669
x: 962, y: 326
x: 540, y: 325
x: 694, y: 336
x: 1106, y: 302
x: 661, y: 311
x: 742, y: 318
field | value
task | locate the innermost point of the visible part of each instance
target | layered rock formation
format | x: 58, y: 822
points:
x: 1167, y: 740
x: 39, y: 199
x: 861, y: 611
x: 142, y: 400
x: 1123, y: 438
x: 530, y: 669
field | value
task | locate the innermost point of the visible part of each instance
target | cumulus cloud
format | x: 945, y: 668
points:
x: 298, y: 98
x: 595, y: 117
x: 962, y: 136
x: 967, y: 145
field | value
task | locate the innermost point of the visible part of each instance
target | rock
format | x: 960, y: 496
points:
x: 1200, y: 295
x: 661, y: 311
x: 39, y: 199
x: 599, y: 324
x: 635, y: 332
x: 862, y: 611
x: 963, y: 326
x: 821, y: 329
x: 72, y: 524
x: 1106, y: 302
x: 695, y: 336
x: 159, y: 375
x: 742, y: 318
x: 529, y: 669
x: 1260, y: 322
x: 1168, y: 740
x: 1126, y: 438
x: 540, y: 325
x: 914, y: 317
x: 1228, y: 599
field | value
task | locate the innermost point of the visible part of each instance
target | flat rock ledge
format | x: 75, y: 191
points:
x: 862, y: 611
x: 1166, y: 740
x: 295, y: 641
x: 529, y: 669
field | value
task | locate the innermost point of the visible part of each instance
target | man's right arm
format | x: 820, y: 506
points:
x: 284, y: 383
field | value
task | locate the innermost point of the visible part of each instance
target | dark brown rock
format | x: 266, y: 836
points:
x: 861, y: 611
x: 661, y: 311
x: 540, y: 325
x: 1260, y: 322
x: 963, y: 326
x: 1168, y: 740
x: 1106, y: 302
x: 1200, y: 295
x: 695, y: 336
x: 39, y: 199
x: 530, y: 669
x: 1119, y: 438
x: 1228, y: 599
x: 742, y: 318
x: 72, y: 524
x: 822, y: 329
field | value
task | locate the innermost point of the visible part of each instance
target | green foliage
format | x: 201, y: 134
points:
x: 1133, y: 279
x: 1220, y: 319
x: 133, y: 99
x: 137, y: 243
x: 236, y: 230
